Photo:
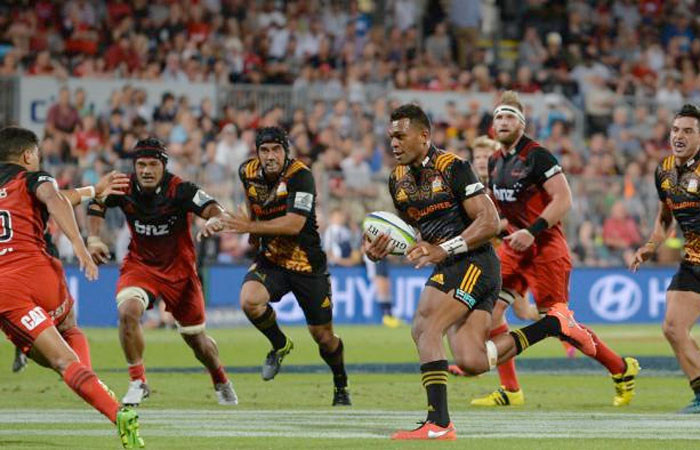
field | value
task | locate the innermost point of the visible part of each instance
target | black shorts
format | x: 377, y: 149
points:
x: 313, y: 292
x: 686, y: 279
x: 475, y: 279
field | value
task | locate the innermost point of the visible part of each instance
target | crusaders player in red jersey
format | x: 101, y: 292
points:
x: 533, y: 195
x: 34, y: 316
x: 160, y: 263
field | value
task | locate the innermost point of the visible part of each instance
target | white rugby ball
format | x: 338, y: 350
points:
x: 402, y: 234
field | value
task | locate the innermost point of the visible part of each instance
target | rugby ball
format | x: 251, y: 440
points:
x: 379, y: 222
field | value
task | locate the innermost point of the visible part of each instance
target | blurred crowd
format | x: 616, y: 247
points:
x: 626, y: 65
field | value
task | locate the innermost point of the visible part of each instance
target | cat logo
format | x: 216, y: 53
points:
x: 252, y: 192
x: 438, y: 278
x: 326, y: 303
x: 437, y: 185
x: 693, y: 185
x: 666, y: 185
x: 401, y: 196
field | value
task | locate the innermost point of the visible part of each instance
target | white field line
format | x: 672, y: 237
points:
x: 354, y: 424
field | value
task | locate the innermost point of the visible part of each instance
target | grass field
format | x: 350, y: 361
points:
x: 565, y: 407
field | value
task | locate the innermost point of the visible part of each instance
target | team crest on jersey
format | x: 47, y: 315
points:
x: 437, y: 185
x: 666, y: 185
x: 401, y: 196
x: 282, y: 189
x: 3, y: 193
x: 692, y: 185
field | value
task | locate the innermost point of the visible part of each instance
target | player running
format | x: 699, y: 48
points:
x: 112, y: 183
x: 160, y: 263
x: 281, y: 195
x: 677, y: 180
x: 438, y: 193
x: 36, y: 309
x: 533, y: 195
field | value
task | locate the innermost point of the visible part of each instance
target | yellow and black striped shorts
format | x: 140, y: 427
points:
x: 474, y: 279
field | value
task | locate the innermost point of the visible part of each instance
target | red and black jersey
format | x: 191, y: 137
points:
x: 22, y: 216
x: 516, y: 180
x: 294, y: 191
x: 160, y: 224
x: 430, y: 197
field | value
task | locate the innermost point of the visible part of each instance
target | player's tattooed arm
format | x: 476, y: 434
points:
x: 662, y: 226
x: 240, y: 222
x: 61, y: 211
x: 114, y: 183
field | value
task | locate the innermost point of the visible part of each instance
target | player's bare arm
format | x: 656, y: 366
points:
x: 558, y: 189
x: 113, y: 183
x: 97, y: 249
x: 289, y: 224
x: 662, y: 226
x: 61, y: 211
x: 485, y: 225
x: 213, y: 214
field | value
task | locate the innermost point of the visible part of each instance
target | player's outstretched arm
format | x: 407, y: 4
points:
x: 114, y: 183
x: 213, y: 213
x: 290, y: 224
x: 662, y: 225
x: 61, y: 211
x: 98, y: 250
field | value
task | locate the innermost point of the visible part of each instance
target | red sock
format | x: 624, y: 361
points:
x: 218, y: 376
x: 85, y: 383
x: 137, y: 372
x: 79, y: 343
x: 506, y: 371
x: 605, y: 355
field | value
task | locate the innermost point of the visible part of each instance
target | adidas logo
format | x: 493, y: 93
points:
x: 326, y: 303
x: 438, y: 278
x: 401, y: 196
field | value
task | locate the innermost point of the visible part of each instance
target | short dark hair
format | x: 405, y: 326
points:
x: 14, y: 141
x: 412, y: 112
x: 689, y: 110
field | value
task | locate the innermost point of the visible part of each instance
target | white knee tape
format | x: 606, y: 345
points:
x: 191, y: 329
x: 491, y: 354
x: 133, y: 292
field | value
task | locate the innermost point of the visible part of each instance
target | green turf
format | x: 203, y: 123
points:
x: 49, y: 405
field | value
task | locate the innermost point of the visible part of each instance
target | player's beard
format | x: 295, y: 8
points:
x: 508, y: 139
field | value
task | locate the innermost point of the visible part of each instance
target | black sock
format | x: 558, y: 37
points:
x: 267, y: 324
x: 695, y: 386
x: 434, y: 379
x: 532, y: 334
x: 337, y: 365
x: 385, y: 307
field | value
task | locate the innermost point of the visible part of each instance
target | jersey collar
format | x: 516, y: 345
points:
x: 429, y: 160
x: 524, y: 140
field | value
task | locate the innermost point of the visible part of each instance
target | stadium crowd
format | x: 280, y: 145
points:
x: 627, y: 65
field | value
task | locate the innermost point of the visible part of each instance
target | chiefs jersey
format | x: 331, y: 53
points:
x: 679, y: 188
x: 516, y: 180
x: 294, y: 191
x: 160, y: 224
x: 22, y: 216
x: 430, y: 197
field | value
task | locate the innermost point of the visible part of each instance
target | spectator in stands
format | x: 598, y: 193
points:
x: 62, y: 118
x: 620, y: 232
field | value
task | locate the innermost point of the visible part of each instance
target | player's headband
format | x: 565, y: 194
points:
x: 510, y: 110
x: 149, y: 151
x: 274, y: 135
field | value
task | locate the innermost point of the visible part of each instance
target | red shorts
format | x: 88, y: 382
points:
x: 548, y: 281
x: 184, y: 299
x: 32, y: 300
